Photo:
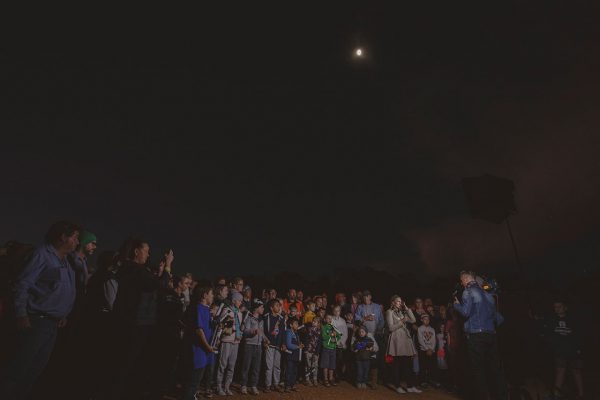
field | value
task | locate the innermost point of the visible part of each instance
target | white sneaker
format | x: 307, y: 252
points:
x: 228, y: 392
x: 244, y: 390
x: 399, y: 390
x: 254, y: 391
x: 221, y: 392
x: 413, y: 390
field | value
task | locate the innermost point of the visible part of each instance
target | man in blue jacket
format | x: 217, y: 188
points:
x: 479, y: 309
x: 44, y: 297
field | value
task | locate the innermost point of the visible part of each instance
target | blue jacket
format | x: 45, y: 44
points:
x: 373, y: 327
x: 292, y: 343
x: 46, y: 285
x: 479, y: 309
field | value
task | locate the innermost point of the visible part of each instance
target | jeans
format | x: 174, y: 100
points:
x: 291, y: 373
x: 362, y: 370
x: 192, y: 387
x: 483, y: 352
x: 33, y: 351
x: 251, y: 364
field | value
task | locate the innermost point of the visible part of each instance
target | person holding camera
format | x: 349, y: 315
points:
x: 479, y: 309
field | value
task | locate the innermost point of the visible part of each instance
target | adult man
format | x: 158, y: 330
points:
x: 371, y: 316
x: 44, y: 296
x: 479, y: 309
x: 291, y: 300
x: 79, y: 259
x: 87, y: 247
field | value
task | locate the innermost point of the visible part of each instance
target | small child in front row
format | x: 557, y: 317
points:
x: 427, y: 355
x: 313, y: 348
x: 294, y: 349
x: 365, y: 348
x: 329, y: 339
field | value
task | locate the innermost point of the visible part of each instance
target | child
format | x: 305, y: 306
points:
x: 313, y: 348
x: 253, y: 342
x: 427, y: 356
x: 310, y: 313
x: 442, y: 364
x: 274, y: 327
x: 329, y: 339
x: 231, y: 319
x: 200, y: 335
x: 364, y: 348
x: 322, y: 313
x: 294, y: 350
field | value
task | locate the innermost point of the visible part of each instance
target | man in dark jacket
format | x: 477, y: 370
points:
x: 135, y: 312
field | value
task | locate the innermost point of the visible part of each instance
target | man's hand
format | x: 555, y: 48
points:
x: 62, y: 323
x: 429, y: 352
x: 23, y: 323
x: 283, y: 348
x: 301, y: 345
x: 456, y: 300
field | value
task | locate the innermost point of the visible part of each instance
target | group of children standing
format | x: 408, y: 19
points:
x: 287, y: 340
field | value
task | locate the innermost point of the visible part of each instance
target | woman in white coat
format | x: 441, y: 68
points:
x: 400, y: 344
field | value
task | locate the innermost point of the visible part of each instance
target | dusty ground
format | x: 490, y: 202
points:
x: 345, y: 391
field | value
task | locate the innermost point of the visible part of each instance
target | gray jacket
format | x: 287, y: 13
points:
x: 252, y: 324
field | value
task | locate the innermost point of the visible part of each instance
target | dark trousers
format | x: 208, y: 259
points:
x: 195, y: 380
x: 485, y: 361
x: 251, y: 365
x: 340, y: 364
x: 34, y: 347
x: 136, y: 369
x: 402, y: 368
x: 291, y: 372
x: 362, y: 370
x: 427, y: 366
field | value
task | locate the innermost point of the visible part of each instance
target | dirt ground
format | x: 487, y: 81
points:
x: 345, y: 391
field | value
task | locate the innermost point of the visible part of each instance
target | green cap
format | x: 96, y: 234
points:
x: 86, y: 237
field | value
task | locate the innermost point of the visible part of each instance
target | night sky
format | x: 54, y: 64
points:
x: 251, y: 140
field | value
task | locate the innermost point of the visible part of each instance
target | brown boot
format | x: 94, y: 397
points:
x: 373, y: 379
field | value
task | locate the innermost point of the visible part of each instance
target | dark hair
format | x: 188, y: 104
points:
x: 177, y: 279
x: 237, y: 280
x: 60, y: 228
x: 127, y: 249
x: 272, y: 302
x: 292, y: 320
x: 199, y: 293
x: 219, y: 288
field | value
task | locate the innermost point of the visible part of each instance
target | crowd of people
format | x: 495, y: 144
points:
x: 135, y: 330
